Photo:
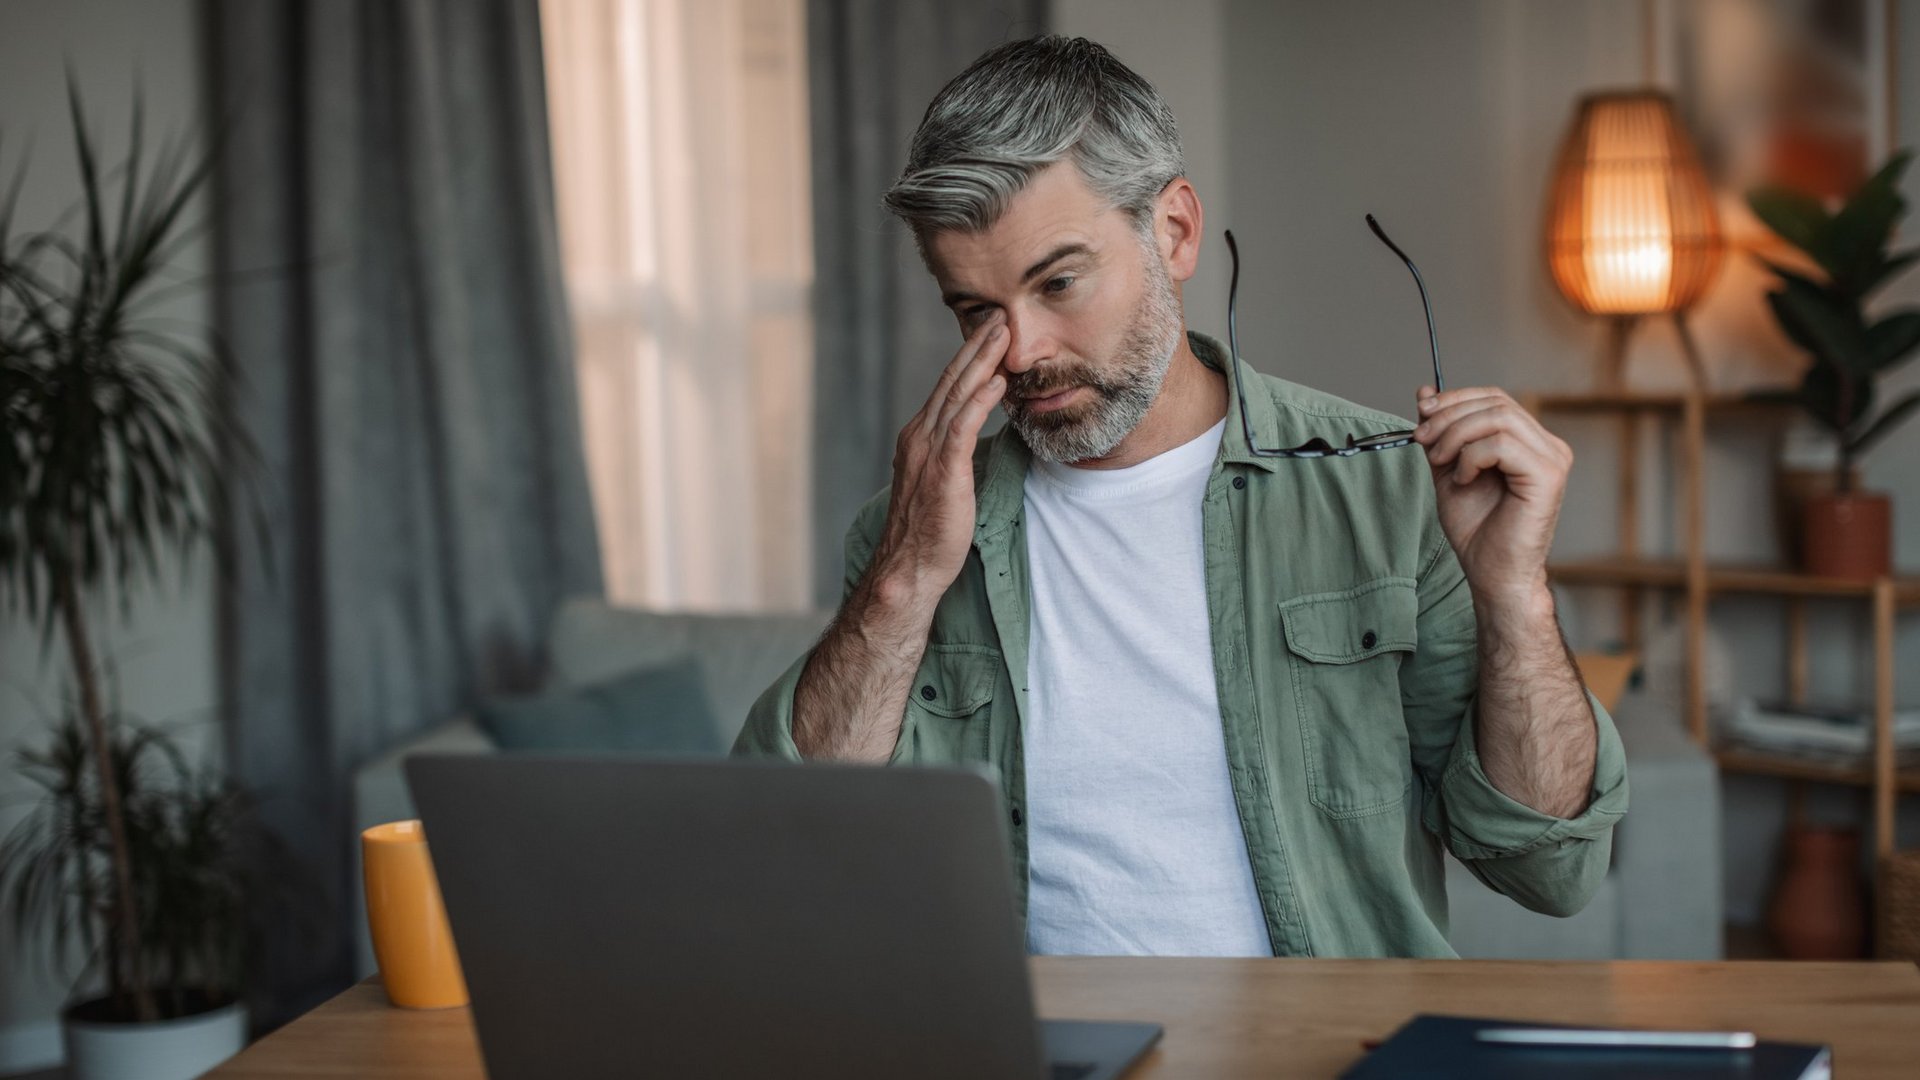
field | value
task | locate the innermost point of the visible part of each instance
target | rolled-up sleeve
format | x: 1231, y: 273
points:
x: 769, y: 729
x: 768, y: 732
x: 1549, y: 864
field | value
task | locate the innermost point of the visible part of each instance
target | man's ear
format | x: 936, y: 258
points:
x: 1178, y: 224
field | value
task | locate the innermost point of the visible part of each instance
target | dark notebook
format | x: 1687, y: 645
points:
x: 1444, y: 1047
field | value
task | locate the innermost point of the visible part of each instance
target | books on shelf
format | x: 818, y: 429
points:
x: 1841, y: 734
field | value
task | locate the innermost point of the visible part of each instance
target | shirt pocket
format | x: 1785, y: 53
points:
x: 949, y: 706
x: 1344, y: 655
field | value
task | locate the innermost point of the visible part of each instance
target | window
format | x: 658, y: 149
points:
x: 679, y: 140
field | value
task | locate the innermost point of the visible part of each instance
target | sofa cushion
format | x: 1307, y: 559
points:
x: 658, y: 708
x: 739, y: 655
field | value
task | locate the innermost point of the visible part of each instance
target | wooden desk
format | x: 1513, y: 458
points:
x: 1267, y: 1018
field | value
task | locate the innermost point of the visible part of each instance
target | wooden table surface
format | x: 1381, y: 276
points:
x: 1268, y: 1018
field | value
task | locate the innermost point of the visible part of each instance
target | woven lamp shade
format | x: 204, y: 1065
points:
x: 1631, y: 228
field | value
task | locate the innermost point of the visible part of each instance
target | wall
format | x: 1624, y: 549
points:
x: 1182, y: 50
x: 1442, y: 120
x: 162, y: 648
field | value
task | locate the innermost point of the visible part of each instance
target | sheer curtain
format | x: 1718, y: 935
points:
x: 680, y: 155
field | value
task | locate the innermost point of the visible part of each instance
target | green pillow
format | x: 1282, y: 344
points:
x: 659, y: 709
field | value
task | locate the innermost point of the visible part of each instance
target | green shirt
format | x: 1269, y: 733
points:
x: 1345, y: 662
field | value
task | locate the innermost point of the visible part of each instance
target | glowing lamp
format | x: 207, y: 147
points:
x: 1631, y: 229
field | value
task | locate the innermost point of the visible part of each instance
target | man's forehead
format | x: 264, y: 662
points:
x: 982, y: 262
x: 1056, y: 209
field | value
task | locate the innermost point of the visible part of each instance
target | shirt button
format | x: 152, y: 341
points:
x: 1017, y: 818
x: 1367, y: 640
x: 929, y: 693
x: 1239, y: 483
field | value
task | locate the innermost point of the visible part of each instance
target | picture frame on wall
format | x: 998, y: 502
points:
x: 1788, y: 93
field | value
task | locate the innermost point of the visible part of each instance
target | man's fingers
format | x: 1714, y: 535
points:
x: 1495, y: 452
x: 975, y: 342
x: 1446, y: 432
x: 1445, y: 435
x: 1435, y: 424
x: 1521, y: 464
x: 962, y: 429
x: 1430, y: 403
x: 982, y: 367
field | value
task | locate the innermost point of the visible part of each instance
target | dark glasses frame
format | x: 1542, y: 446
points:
x: 1317, y: 447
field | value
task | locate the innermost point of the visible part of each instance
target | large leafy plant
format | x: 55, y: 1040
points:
x: 201, y: 865
x: 112, y: 458
x: 1825, y: 311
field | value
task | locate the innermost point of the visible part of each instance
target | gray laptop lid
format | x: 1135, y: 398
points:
x: 730, y: 919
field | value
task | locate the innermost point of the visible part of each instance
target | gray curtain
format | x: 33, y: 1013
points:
x: 391, y: 295
x: 882, y: 336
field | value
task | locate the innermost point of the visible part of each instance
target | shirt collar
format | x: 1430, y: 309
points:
x: 1261, y: 413
x: 1002, y: 480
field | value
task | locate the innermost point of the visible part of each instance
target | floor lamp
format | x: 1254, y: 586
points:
x: 1631, y: 232
x: 1631, y: 228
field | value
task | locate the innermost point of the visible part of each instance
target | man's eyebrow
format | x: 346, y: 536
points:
x: 1074, y: 247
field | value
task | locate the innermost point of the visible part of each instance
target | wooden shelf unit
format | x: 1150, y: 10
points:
x: 1725, y: 578
x: 1698, y: 580
x: 1787, y: 767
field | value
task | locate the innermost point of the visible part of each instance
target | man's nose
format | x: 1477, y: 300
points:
x: 1027, y: 345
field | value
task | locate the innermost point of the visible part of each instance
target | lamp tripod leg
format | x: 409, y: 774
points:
x: 1613, y: 373
x: 1696, y: 370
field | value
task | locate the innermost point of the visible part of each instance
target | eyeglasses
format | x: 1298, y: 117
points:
x: 1317, y: 447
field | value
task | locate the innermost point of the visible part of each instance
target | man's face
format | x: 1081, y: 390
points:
x: 1092, y: 316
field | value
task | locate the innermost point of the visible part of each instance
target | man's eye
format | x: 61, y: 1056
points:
x: 972, y: 315
x: 1056, y: 286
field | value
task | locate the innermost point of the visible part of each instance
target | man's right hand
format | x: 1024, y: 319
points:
x: 930, y: 514
x: 852, y: 694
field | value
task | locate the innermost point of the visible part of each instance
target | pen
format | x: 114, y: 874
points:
x: 1672, y: 1040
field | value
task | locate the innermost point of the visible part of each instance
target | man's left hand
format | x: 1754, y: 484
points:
x: 1499, y: 477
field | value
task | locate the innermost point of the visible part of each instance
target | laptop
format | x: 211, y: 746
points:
x: 621, y: 917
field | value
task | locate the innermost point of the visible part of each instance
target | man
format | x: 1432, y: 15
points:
x: 1237, y: 703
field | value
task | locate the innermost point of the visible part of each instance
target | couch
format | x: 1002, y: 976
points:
x: 1661, y: 898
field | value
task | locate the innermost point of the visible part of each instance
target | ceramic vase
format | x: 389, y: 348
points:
x: 1819, y: 908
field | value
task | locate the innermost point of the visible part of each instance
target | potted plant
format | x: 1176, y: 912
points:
x: 1845, y: 532
x: 113, y: 455
x: 202, y: 867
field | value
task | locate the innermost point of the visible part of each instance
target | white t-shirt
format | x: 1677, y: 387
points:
x: 1134, y: 844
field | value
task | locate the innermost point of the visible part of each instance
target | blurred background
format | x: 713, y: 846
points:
x: 546, y: 318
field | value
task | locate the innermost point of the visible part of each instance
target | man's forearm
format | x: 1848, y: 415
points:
x: 1535, y: 731
x: 852, y: 694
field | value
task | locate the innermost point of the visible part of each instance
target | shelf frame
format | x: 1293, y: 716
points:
x: 1698, y: 581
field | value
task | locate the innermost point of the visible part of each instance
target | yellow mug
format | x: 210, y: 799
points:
x: 411, y: 939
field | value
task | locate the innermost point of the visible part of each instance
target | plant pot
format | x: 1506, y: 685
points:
x: 1848, y: 535
x: 1819, y: 908
x: 174, y: 1049
x: 1793, y: 485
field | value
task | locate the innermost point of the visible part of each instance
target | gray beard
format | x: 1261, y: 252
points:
x: 1121, y: 398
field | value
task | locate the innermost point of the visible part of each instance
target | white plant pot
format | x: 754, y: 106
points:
x: 164, y: 1050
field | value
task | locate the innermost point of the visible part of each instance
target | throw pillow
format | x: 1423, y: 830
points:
x: 660, y: 709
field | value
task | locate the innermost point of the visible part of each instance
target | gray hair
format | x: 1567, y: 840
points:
x: 1021, y: 107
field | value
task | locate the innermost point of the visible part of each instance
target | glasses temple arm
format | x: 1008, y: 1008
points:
x: 1233, y: 342
x: 1433, y: 339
